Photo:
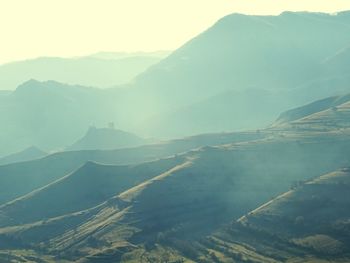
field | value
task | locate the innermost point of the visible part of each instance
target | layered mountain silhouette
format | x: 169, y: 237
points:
x: 27, y: 154
x: 51, y: 115
x: 275, y: 191
x: 241, y: 53
x: 175, y: 207
x: 104, y: 69
x: 239, y: 74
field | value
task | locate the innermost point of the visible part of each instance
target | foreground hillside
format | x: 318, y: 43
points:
x: 309, y: 223
x: 172, y: 208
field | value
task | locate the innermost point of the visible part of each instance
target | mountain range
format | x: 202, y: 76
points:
x: 239, y: 74
x: 248, y: 159
x: 103, y: 69
x: 179, y: 207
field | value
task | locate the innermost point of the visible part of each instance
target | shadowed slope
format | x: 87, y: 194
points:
x: 190, y: 200
x: 88, y: 186
x: 21, y: 178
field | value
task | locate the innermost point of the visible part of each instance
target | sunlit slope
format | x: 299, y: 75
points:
x: 84, y: 188
x: 331, y: 114
x: 210, y: 187
x: 311, y: 108
x: 307, y: 224
x: 21, y: 178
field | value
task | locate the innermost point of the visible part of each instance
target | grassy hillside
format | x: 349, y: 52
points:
x: 21, y: 178
x: 84, y: 188
x: 334, y: 117
x: 311, y: 108
x: 265, y: 195
x: 212, y: 186
x: 307, y: 224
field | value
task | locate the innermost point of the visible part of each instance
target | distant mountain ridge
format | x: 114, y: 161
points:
x: 180, y: 200
x: 27, y: 154
x: 104, y: 69
x: 238, y: 54
x: 239, y: 74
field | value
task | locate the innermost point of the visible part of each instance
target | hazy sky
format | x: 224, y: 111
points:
x: 31, y: 28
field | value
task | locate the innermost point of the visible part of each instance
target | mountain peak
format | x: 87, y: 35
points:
x: 107, y: 139
x: 27, y: 154
x: 29, y: 83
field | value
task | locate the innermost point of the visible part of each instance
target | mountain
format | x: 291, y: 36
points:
x: 259, y: 66
x: 338, y: 63
x: 224, y: 112
x: 38, y: 113
x: 120, y: 55
x: 173, y: 201
x: 101, y: 70
x: 243, y: 53
x: 328, y: 114
x: 27, y: 154
x: 106, y: 139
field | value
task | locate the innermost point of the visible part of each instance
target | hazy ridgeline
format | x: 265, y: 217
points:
x: 104, y: 69
x: 215, y: 153
x: 239, y: 74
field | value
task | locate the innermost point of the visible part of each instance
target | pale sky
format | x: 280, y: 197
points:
x: 32, y: 28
